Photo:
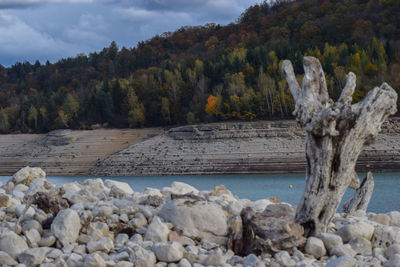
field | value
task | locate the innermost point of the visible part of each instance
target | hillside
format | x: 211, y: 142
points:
x: 207, y: 73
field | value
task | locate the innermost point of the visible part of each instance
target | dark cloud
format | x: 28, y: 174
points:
x: 54, y: 29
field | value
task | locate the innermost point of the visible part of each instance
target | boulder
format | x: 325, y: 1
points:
x: 179, y: 188
x: 6, y: 259
x: 124, y: 187
x: 359, y: 229
x: 143, y: 257
x: 215, y: 258
x: 394, y: 218
x: 361, y: 246
x: 330, y: 240
x: 12, y: 244
x: 27, y: 175
x: 384, y: 236
x: 342, y: 250
x: 392, y: 250
x: 104, y: 244
x: 315, y: 247
x: 94, y: 260
x: 270, y: 231
x: 198, y: 219
x: 157, y: 231
x: 380, y: 218
x: 66, y: 226
x: 168, y: 252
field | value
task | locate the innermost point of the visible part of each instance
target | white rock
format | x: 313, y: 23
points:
x: 393, y: 249
x: 116, y: 257
x: 179, y: 188
x: 126, y: 188
x: 12, y: 244
x: 315, y: 247
x: 121, y: 239
x: 384, y: 236
x: 66, y: 226
x: 168, y: 252
x: 124, y: 264
x: 394, y: 218
x: 20, y: 209
x: 184, y: 263
x: 215, y: 258
x: 152, y: 192
x: 73, y: 259
x: 105, y: 244
x: 18, y: 194
x: 143, y: 257
x: 394, y: 261
x: 359, y: 229
x: 342, y: 250
x: 32, y: 256
x: 343, y: 261
x: 33, y: 236
x: 202, y: 219
x: 283, y: 258
x: 361, y: 246
x: 6, y: 259
x: 330, y: 240
x: 252, y: 261
x: 157, y: 231
x: 260, y: 205
x: 28, y: 174
x: 94, y: 260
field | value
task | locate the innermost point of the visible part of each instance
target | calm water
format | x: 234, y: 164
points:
x: 386, y: 196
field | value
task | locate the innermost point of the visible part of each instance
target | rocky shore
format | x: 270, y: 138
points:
x: 106, y: 223
x: 238, y: 147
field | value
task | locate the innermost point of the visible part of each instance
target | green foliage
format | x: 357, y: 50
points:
x: 169, y: 79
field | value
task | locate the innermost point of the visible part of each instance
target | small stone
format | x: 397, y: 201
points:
x: 122, y: 256
x: 252, y: 261
x: 124, y: 264
x: 215, y: 258
x: 121, y: 239
x: 31, y: 224
x: 6, y: 259
x: 394, y: 218
x: 315, y: 247
x: 394, y: 261
x: 136, y: 238
x: 12, y: 244
x: 283, y: 258
x: 33, y: 256
x: 94, y: 260
x: 143, y: 257
x: 361, y: 246
x: 3, y: 200
x: 208, y: 245
x: 21, y: 208
x: 157, y: 231
x: 139, y: 220
x: 32, y: 236
x: 73, y: 259
x: 168, y: 252
x: 330, y: 240
x: 342, y: 250
x: 47, y: 241
x: 343, y: 261
x: 184, y: 263
x: 66, y: 226
x: 392, y: 250
x: 380, y: 218
x: 104, y: 244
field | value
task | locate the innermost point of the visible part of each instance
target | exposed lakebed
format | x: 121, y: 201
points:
x: 385, y: 198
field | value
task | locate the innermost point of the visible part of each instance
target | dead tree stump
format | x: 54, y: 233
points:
x: 336, y: 134
x: 362, y: 196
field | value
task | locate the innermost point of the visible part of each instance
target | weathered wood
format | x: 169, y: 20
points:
x: 362, y: 196
x: 336, y: 134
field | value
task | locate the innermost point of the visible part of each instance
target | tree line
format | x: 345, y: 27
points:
x: 210, y: 72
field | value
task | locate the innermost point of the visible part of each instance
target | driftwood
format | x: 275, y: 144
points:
x: 336, y: 134
x: 362, y: 196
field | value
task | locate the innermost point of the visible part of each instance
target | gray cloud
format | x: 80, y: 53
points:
x: 8, y: 4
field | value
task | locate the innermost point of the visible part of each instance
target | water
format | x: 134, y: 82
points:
x: 385, y: 198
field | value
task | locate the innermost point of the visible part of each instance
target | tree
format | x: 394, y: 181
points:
x: 4, y: 125
x: 336, y: 135
x: 211, y: 106
x: 33, y: 117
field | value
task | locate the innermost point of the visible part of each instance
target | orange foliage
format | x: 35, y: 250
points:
x: 211, y: 106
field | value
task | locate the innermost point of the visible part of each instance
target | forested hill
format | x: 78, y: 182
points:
x: 210, y: 72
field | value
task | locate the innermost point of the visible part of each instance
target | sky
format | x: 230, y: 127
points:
x: 43, y: 30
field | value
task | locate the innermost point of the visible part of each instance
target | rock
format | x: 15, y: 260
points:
x: 66, y: 226
x: 342, y: 250
x: 124, y: 187
x: 74, y: 259
x: 12, y: 244
x: 3, y: 200
x: 94, y: 260
x: 121, y: 239
x: 315, y: 247
x: 20, y: 209
x: 168, y: 252
x: 252, y: 261
x: 31, y: 224
x: 143, y: 257
x: 6, y: 259
x: 394, y: 218
x: 283, y: 258
x: 359, y: 229
x: 215, y: 258
x: 361, y: 246
x: 32, y: 236
x: 124, y: 264
x: 200, y: 219
x: 384, y: 236
x: 116, y: 257
x: 48, y: 203
x: 394, y: 261
x: 343, y: 261
x: 184, y: 263
x: 380, y: 218
x: 104, y: 244
x: 27, y: 175
x: 157, y: 231
x: 97, y: 230
x: 179, y: 188
x: 330, y: 240
x: 32, y: 256
x: 271, y: 231
x: 392, y: 250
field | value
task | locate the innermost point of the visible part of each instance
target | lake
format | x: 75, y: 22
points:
x: 385, y: 198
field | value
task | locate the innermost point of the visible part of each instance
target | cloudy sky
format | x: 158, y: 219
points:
x: 53, y: 29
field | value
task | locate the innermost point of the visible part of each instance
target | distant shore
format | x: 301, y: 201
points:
x: 216, y: 148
